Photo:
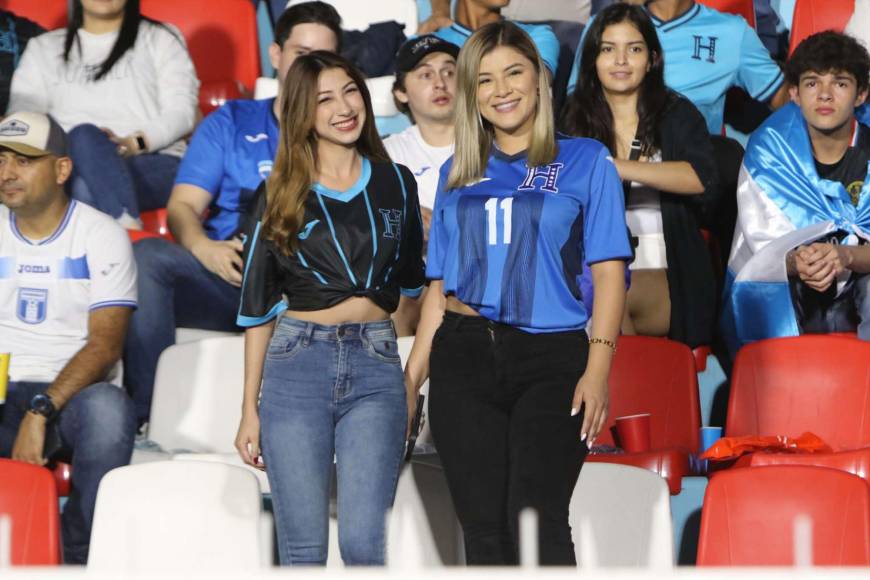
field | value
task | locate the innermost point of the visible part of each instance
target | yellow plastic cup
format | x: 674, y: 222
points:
x: 4, y: 375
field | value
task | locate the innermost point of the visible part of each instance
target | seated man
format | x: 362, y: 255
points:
x: 68, y: 286
x: 425, y: 90
x: 800, y: 257
x: 707, y: 52
x: 470, y: 15
x: 195, y: 283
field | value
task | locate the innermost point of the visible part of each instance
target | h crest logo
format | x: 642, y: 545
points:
x: 710, y: 47
x: 549, y: 173
x: 392, y: 223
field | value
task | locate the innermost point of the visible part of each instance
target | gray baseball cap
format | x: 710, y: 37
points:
x: 33, y: 135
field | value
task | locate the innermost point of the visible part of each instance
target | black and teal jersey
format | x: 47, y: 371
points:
x: 512, y: 245
x: 366, y: 241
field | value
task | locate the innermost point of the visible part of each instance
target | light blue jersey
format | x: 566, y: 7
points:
x: 542, y: 35
x: 512, y: 246
x: 706, y: 53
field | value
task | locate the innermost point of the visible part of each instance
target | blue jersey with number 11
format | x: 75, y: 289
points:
x: 512, y: 245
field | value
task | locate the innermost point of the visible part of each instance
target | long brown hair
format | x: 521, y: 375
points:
x: 474, y: 134
x: 296, y: 165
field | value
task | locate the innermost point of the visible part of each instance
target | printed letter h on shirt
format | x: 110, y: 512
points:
x: 710, y: 47
x: 392, y: 223
x: 549, y: 173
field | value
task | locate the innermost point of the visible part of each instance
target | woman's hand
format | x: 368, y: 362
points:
x: 592, y: 394
x: 248, y: 438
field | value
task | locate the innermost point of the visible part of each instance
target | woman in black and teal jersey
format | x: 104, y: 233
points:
x: 337, y: 239
x: 517, y: 389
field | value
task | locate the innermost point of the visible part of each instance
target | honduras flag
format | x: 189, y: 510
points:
x: 783, y: 203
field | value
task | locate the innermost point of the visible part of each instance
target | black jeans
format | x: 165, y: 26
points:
x: 500, y: 412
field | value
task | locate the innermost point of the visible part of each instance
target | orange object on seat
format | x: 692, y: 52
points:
x: 749, y: 514
x: 730, y: 448
x: 811, y: 383
x: 156, y: 221
x: 672, y: 464
x: 29, y: 496
x: 856, y: 462
x: 656, y: 376
x: 811, y: 16
x: 744, y: 8
x: 49, y: 14
x: 221, y: 36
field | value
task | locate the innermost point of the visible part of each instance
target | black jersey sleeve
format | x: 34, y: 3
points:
x: 262, y: 299
x: 412, y: 269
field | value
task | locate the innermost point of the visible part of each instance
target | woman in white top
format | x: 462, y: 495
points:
x: 662, y: 151
x: 125, y: 89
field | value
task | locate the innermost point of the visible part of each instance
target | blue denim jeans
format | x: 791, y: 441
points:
x: 103, y: 179
x: 332, y: 391
x: 97, y: 428
x: 175, y: 289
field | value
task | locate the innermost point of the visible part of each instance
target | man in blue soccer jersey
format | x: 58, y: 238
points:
x: 706, y: 53
x: 67, y: 288
x: 469, y: 15
x: 804, y: 202
x: 195, y: 283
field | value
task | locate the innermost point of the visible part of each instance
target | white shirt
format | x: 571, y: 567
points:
x: 49, y: 287
x: 424, y: 161
x: 153, y: 88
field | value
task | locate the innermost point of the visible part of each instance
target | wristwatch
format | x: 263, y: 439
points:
x: 42, y: 404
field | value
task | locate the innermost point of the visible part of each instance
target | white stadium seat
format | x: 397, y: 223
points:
x: 621, y: 517
x: 179, y: 516
x: 381, y: 89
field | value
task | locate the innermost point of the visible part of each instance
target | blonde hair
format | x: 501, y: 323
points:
x: 296, y: 165
x: 474, y: 134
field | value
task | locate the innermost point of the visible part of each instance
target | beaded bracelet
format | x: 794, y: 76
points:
x: 604, y: 341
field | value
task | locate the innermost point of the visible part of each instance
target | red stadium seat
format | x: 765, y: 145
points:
x: 156, y: 222
x: 748, y: 517
x: 817, y: 383
x: 49, y: 14
x: 28, y: 495
x: 221, y: 36
x: 856, y: 462
x: 744, y: 8
x: 656, y: 376
x: 811, y: 16
x: 671, y: 463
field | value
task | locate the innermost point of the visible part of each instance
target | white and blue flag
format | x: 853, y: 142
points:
x: 783, y: 203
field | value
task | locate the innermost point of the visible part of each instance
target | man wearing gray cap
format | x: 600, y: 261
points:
x: 67, y: 289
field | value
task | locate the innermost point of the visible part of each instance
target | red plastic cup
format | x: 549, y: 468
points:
x: 634, y: 432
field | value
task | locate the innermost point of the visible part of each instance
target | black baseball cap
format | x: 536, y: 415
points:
x: 416, y: 49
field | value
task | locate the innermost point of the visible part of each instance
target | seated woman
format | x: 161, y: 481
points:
x: 125, y: 89
x: 662, y: 151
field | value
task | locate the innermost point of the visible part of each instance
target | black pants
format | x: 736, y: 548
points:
x: 500, y: 412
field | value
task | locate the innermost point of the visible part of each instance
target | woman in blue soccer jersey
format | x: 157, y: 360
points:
x: 517, y: 389
x: 662, y: 151
x: 337, y: 238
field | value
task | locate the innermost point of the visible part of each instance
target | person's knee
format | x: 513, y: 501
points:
x: 106, y: 418
x: 155, y: 257
x: 85, y: 133
x: 362, y: 546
